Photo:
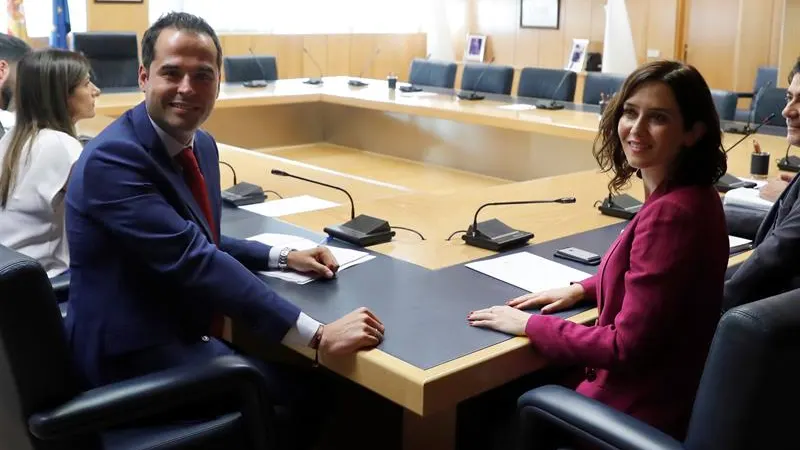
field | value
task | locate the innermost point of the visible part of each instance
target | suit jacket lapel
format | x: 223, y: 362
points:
x: 149, y: 138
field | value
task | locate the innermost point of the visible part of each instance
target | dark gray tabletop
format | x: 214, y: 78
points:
x: 424, y: 310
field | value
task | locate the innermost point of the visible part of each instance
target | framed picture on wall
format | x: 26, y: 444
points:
x: 476, y: 47
x: 539, y: 13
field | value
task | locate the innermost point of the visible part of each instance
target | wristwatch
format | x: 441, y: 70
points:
x: 283, y: 258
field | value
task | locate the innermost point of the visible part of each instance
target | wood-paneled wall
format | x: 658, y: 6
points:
x: 653, y: 23
x: 727, y: 39
x: 790, y: 42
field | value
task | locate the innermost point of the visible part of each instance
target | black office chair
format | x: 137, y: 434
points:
x: 725, y: 102
x: 427, y: 72
x: 746, y: 398
x: 765, y: 76
x: 538, y: 82
x: 248, y: 68
x: 114, y: 57
x: 600, y: 83
x: 490, y: 78
x: 770, y: 100
x: 43, y: 407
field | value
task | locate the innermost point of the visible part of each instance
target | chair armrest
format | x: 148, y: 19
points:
x: 587, y: 419
x: 743, y: 222
x: 744, y: 94
x: 114, y: 404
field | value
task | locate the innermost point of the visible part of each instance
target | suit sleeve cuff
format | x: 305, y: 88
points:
x: 302, y: 332
x: 274, y: 255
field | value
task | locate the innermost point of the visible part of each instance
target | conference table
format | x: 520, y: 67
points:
x: 431, y: 359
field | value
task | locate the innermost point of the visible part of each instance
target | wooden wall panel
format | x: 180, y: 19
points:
x: 662, y: 19
x: 499, y: 20
x: 775, y: 36
x: 790, y: 44
x: 117, y: 16
x: 712, y: 48
x: 752, y: 42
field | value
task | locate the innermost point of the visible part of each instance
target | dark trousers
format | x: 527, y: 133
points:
x: 297, y: 392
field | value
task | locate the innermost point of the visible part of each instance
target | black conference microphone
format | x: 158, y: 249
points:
x: 362, y: 230
x: 317, y: 80
x: 241, y: 194
x: 474, y: 94
x: 622, y: 206
x: 746, y: 129
x: 789, y: 163
x: 256, y: 83
x: 552, y: 105
x: 356, y: 82
x: 728, y: 181
x: 495, y: 235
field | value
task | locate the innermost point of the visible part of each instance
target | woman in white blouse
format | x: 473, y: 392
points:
x: 53, y: 92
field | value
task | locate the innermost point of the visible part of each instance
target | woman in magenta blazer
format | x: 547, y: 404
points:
x: 659, y: 287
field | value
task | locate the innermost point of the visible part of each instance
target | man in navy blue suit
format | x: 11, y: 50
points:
x: 151, y: 274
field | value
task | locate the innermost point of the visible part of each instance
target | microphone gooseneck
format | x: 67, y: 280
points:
x: 282, y: 173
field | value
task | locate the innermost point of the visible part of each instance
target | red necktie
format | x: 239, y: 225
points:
x: 197, y: 184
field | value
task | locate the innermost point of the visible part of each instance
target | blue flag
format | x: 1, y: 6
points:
x: 61, y: 24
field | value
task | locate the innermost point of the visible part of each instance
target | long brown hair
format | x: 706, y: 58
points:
x: 45, y: 81
x: 703, y: 163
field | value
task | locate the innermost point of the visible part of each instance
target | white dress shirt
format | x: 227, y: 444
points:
x: 32, y: 221
x: 305, y: 328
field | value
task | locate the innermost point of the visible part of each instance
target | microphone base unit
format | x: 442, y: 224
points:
x: 789, y: 164
x: 362, y: 231
x: 553, y: 106
x: 736, y: 130
x: 357, y: 83
x: 472, y: 96
x: 255, y: 83
x: 314, y: 81
x: 496, y: 236
x: 728, y: 182
x: 242, y: 194
x: 621, y: 206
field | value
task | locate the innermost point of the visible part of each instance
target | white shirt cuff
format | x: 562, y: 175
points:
x: 302, y: 332
x: 274, y: 255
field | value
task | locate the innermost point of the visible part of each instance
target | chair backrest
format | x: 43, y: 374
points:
x: 765, y: 75
x: 427, y: 72
x: 725, y: 102
x: 494, y: 79
x: 35, y: 366
x: 542, y: 83
x: 770, y: 100
x: 600, y: 83
x: 748, y: 393
x: 114, y: 57
x: 246, y: 68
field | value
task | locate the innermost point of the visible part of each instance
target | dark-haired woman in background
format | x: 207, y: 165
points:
x: 659, y: 287
x: 53, y: 92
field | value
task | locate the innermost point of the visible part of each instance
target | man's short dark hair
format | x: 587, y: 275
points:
x: 178, y: 21
x: 12, y: 49
x: 795, y: 70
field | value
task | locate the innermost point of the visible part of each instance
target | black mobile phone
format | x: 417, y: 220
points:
x: 578, y: 255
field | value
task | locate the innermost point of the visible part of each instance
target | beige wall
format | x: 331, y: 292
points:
x: 336, y: 54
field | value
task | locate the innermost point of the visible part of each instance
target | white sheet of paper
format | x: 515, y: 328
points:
x: 344, y: 256
x: 290, y: 205
x: 518, y: 107
x: 528, y: 271
x: 747, y: 198
x: 737, y: 243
